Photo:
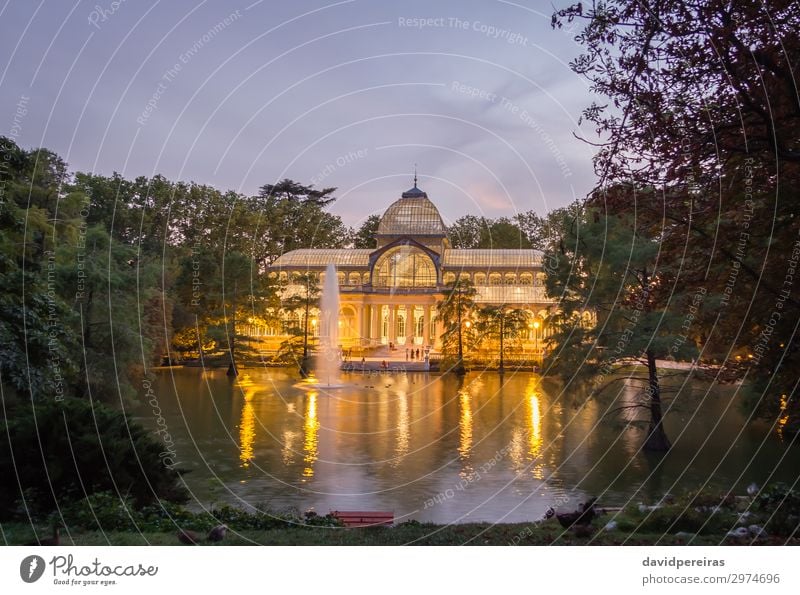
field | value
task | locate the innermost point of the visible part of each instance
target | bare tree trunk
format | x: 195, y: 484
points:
x: 305, y: 364
x: 232, y: 370
x: 460, y: 369
x: 656, y: 436
x: 502, y: 332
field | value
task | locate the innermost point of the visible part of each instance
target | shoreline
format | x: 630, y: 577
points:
x: 485, y: 534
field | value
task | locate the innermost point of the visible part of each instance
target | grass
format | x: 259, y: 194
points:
x: 549, y: 533
x: 695, y: 518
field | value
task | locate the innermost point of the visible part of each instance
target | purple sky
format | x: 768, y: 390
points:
x: 347, y: 94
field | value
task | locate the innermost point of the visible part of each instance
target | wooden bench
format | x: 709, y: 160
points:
x: 357, y: 518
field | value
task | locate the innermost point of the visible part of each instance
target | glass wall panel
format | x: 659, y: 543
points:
x: 404, y: 266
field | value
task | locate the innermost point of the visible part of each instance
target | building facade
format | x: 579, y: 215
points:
x: 388, y: 294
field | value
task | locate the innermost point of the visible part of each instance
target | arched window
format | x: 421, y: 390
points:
x: 449, y: 278
x: 340, y: 278
x: 510, y: 279
x: 355, y: 279
x: 495, y: 279
x: 404, y: 266
x: 526, y: 279
x: 480, y: 279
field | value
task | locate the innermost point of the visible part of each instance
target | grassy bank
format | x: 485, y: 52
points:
x: 405, y: 534
x: 769, y: 516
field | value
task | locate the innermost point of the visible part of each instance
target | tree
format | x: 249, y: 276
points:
x: 290, y: 216
x: 470, y: 231
x: 699, y: 102
x: 611, y: 266
x: 466, y: 231
x: 504, y: 233
x: 221, y: 292
x: 499, y: 323
x: 37, y: 336
x: 293, y: 191
x: 239, y: 290
x: 302, y: 295
x: 99, y: 276
x: 454, y: 310
x: 38, y: 339
x: 365, y: 236
x: 541, y: 230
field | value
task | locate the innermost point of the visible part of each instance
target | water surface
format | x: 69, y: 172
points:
x: 443, y: 449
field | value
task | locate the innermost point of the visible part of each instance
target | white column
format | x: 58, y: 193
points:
x: 392, y: 328
x: 375, y: 327
x: 426, y: 326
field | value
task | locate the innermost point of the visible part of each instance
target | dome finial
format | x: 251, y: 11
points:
x: 414, y: 192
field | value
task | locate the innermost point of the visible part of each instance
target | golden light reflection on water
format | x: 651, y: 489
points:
x: 245, y: 384
x: 287, y: 452
x: 403, y: 428
x: 247, y: 433
x: 247, y: 422
x: 516, y: 450
x: 310, y: 435
x: 465, y: 433
x: 534, y: 422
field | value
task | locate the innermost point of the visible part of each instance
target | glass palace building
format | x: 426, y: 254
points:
x: 388, y: 294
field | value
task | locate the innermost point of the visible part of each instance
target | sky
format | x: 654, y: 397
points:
x: 350, y: 94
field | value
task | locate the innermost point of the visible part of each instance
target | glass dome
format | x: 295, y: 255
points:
x: 412, y: 215
x: 404, y: 266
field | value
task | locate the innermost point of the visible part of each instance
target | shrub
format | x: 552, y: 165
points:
x: 108, y: 512
x: 60, y: 452
x: 102, y: 511
x: 781, y: 505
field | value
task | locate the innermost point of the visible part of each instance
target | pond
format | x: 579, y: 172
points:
x: 447, y: 450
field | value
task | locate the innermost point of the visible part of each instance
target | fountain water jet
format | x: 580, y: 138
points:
x: 328, y: 360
